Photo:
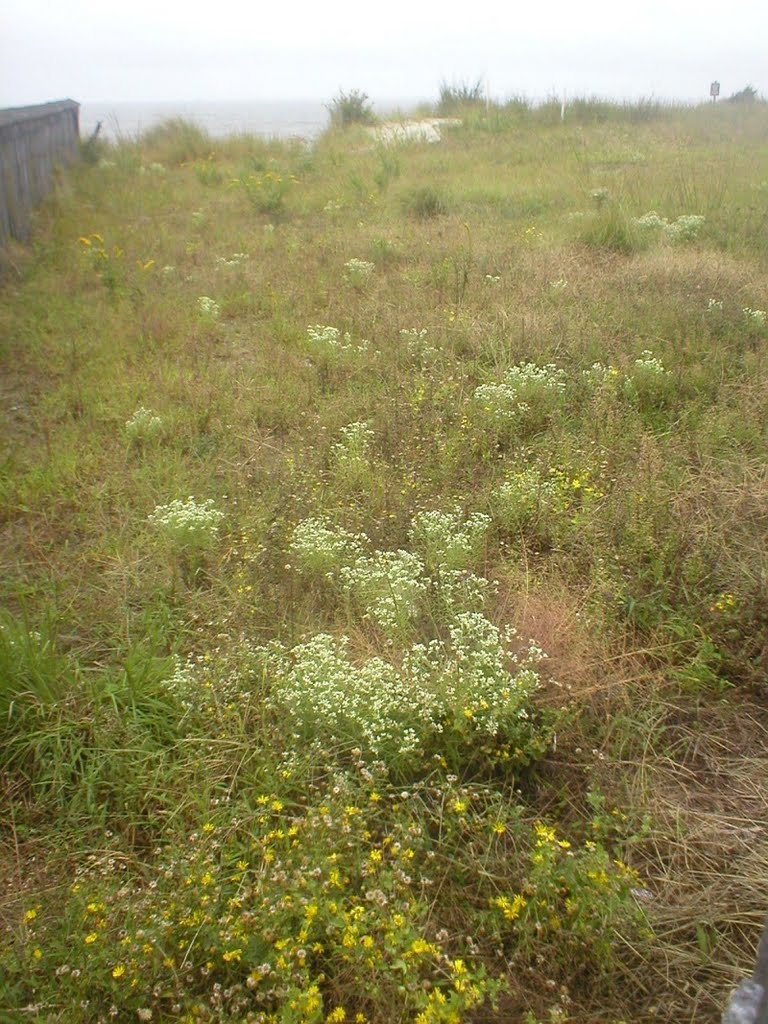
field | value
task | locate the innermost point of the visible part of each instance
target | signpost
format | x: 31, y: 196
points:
x: 714, y: 91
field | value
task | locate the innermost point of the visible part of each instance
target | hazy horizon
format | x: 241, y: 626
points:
x: 192, y: 52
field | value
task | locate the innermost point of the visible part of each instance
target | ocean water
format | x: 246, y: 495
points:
x: 272, y: 118
x: 281, y: 119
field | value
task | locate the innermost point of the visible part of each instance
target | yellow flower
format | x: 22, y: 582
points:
x: 337, y: 1015
x: 421, y: 947
x: 37, y: 953
x: 208, y: 826
x: 459, y: 806
x: 30, y: 915
x: 90, y: 938
x: 544, y: 833
x: 232, y: 955
x: 510, y: 908
x: 118, y: 972
x: 499, y: 828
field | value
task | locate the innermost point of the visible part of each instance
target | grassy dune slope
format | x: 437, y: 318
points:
x: 383, y: 564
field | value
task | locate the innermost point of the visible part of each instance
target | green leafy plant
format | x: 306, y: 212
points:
x: 353, y: 107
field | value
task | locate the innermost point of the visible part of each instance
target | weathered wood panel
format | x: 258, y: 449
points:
x: 33, y: 140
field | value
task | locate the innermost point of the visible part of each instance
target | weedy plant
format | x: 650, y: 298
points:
x: 348, y: 108
x: 143, y: 428
x: 320, y: 549
x: 527, y: 397
x: 358, y: 272
x: 190, y: 527
x: 351, y: 454
x: 208, y: 309
x: 650, y: 385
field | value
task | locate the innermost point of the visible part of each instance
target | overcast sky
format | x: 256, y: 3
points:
x: 187, y: 50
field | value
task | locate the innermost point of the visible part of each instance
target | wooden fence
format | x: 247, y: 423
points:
x: 33, y: 140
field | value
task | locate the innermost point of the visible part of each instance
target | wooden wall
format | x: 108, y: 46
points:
x: 33, y: 140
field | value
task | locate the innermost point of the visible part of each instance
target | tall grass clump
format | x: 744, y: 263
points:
x: 453, y: 97
x: 176, y: 141
x: 348, y: 108
x: 611, y: 229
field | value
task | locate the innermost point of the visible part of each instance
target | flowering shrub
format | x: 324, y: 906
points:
x: 357, y: 272
x: 331, y: 339
x: 389, y: 586
x: 685, y: 229
x: 266, y: 192
x: 304, y: 912
x: 600, y: 377
x: 572, y: 900
x: 191, y: 526
x: 419, y: 348
x: 527, y: 396
x: 320, y: 549
x: 756, y: 318
x: 350, y: 454
x: 235, y: 260
x: 442, y: 694
x: 650, y: 384
x: 143, y: 427
x: 208, y: 308
x: 449, y: 540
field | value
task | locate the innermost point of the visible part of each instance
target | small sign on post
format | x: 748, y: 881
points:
x: 714, y: 91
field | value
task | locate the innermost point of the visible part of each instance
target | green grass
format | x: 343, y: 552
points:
x: 303, y: 761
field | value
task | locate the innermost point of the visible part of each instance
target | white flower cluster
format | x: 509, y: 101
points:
x: 355, y: 443
x: 320, y: 549
x: 418, y: 347
x: 233, y: 261
x: 755, y: 317
x: 191, y: 525
x: 471, y: 683
x: 715, y: 306
x: 526, y: 388
x: 389, y: 585
x: 327, y: 697
x: 448, y: 540
x: 332, y: 338
x: 685, y: 229
x: 143, y: 427
x: 599, y: 376
x: 358, y: 271
x: 208, y: 308
x: 650, y: 383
